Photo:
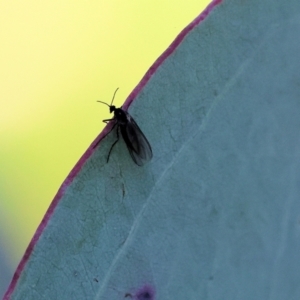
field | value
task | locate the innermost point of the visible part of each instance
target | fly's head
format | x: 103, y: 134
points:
x: 112, y: 108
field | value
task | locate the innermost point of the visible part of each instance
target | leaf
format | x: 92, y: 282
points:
x: 215, y: 214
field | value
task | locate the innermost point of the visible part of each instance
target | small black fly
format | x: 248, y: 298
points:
x: 136, y: 142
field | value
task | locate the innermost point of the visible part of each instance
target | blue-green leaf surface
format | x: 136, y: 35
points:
x: 215, y: 214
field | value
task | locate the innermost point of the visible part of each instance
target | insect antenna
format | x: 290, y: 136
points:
x: 103, y: 103
x: 114, y: 96
x: 111, y: 100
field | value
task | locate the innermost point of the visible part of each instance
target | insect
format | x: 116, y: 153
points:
x: 137, y: 144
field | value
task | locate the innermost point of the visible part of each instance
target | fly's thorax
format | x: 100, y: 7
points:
x: 121, y: 116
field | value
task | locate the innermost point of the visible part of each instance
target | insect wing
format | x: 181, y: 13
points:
x: 137, y: 144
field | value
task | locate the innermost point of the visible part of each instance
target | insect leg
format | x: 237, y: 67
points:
x: 114, y: 142
x: 107, y: 133
x: 107, y: 120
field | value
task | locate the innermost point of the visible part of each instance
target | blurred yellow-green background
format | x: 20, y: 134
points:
x: 57, y: 58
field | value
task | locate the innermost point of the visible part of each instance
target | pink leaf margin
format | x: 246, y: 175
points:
x: 91, y: 149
